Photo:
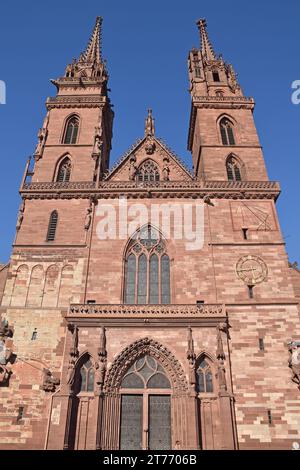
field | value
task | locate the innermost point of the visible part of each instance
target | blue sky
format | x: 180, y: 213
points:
x: 146, y: 46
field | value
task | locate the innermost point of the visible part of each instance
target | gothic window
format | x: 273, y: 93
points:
x: 64, y: 171
x: 204, y: 377
x: 146, y: 373
x: 216, y: 76
x: 226, y: 128
x: 233, y: 169
x: 52, y: 226
x: 71, y: 131
x: 147, y: 269
x: 87, y: 376
x: 148, y: 172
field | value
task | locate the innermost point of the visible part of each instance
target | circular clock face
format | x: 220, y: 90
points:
x: 252, y: 270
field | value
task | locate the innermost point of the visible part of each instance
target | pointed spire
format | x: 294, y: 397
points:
x: 149, y: 127
x: 206, y: 47
x: 92, y: 53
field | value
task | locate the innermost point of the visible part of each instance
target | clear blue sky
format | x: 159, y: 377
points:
x: 146, y: 45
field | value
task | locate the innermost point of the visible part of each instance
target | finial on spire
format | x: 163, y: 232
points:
x: 149, y: 127
x: 206, y: 47
x: 92, y: 53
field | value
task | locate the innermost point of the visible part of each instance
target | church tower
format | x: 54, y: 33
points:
x: 119, y: 331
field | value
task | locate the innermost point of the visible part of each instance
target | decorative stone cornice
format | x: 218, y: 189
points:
x: 89, y: 101
x: 205, y: 310
x: 195, y: 189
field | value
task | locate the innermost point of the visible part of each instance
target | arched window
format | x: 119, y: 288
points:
x: 233, y: 169
x: 147, y: 269
x: 64, y: 171
x: 52, y: 226
x: 86, y: 376
x: 226, y: 128
x: 71, y: 131
x: 148, y: 171
x: 204, y: 377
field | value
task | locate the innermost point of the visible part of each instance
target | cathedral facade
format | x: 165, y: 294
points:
x: 132, y: 336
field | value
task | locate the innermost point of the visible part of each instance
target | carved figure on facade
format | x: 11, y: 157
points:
x: 20, y: 216
x: 132, y: 168
x: 294, y: 361
x: 101, y: 366
x: 49, y: 382
x: 73, y: 355
x: 88, y: 217
x: 166, y: 170
x: 42, y: 135
x: 6, y: 354
x: 191, y: 357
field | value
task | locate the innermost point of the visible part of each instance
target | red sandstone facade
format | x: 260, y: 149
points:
x: 85, y: 364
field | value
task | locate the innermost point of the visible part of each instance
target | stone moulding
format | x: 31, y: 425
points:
x: 132, y: 189
x: 209, y: 310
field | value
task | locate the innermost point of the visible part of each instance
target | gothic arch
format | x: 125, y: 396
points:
x: 232, y: 157
x: 159, y: 292
x: 140, y: 348
x: 212, y: 366
x: 83, y: 359
x: 66, y: 156
x: 234, y: 126
x: 67, y: 120
x: 148, y: 170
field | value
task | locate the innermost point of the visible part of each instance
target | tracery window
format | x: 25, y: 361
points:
x: 226, y: 128
x: 146, y: 373
x: 87, y: 376
x: 71, y: 131
x: 147, y: 269
x: 204, y: 377
x: 64, y: 171
x: 233, y: 169
x: 148, y: 172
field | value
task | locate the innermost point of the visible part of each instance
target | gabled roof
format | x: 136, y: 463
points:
x: 137, y: 145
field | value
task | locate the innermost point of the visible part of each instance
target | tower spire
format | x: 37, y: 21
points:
x: 92, y: 53
x: 206, y: 46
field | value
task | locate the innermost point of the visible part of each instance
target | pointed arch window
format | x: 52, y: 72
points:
x: 87, y: 376
x: 227, y: 134
x: 147, y: 269
x: 148, y: 172
x: 233, y: 168
x: 71, y: 131
x: 52, y: 226
x: 204, y: 377
x: 64, y: 171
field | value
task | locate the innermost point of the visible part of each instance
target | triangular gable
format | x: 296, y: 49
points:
x: 154, y: 149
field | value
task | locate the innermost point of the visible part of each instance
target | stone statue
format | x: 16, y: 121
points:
x: 97, y: 141
x: 166, y: 170
x: 20, y: 216
x: 221, y: 374
x: 49, y: 382
x: 100, y: 372
x: 102, y: 347
x: 294, y: 362
x: 41, y: 142
x: 88, y: 218
x: 132, y: 169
